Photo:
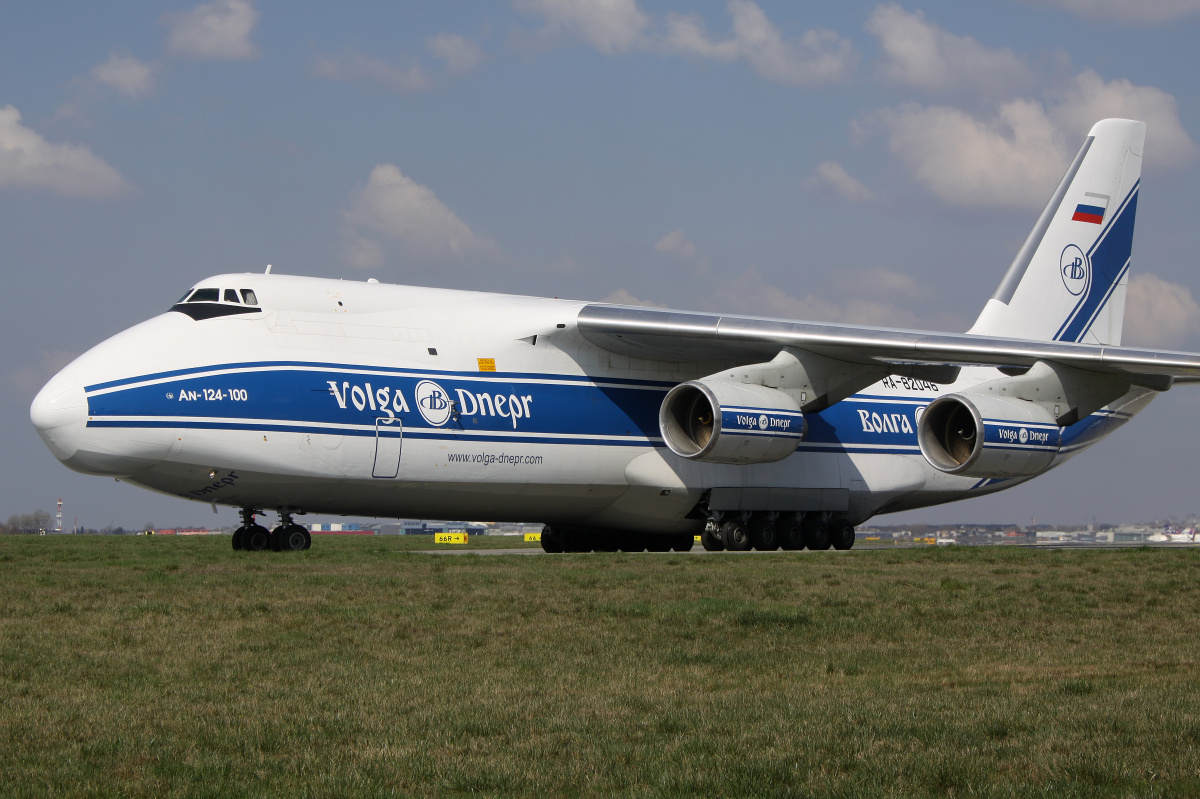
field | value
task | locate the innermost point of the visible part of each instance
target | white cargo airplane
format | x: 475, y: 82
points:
x: 619, y: 427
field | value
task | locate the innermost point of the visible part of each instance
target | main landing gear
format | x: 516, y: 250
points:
x: 769, y: 530
x: 287, y: 537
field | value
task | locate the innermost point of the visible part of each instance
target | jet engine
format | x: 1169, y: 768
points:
x: 976, y: 435
x: 722, y: 422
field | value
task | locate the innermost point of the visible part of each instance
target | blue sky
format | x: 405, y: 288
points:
x: 871, y: 163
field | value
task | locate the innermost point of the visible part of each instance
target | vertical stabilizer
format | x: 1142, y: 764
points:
x: 1067, y: 283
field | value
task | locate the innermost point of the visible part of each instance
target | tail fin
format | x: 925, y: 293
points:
x: 1068, y: 281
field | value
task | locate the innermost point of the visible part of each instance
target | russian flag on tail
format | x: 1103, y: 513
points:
x: 1091, y: 209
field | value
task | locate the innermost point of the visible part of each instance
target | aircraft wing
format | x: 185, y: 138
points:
x: 662, y: 334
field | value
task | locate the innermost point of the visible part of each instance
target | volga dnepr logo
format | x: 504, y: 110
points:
x: 433, y: 403
x: 436, y: 405
x: 1074, y: 269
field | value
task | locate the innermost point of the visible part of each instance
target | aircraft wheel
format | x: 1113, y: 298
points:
x: 294, y: 538
x: 633, y: 542
x: 256, y: 538
x: 239, y: 536
x: 551, y: 542
x: 711, y: 540
x: 684, y: 542
x: 763, y: 535
x: 275, y: 540
x: 791, y: 534
x: 608, y: 541
x: 843, y: 535
x: 816, y: 535
x: 658, y: 543
x: 735, y: 536
x: 575, y: 540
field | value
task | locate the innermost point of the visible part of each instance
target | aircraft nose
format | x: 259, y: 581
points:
x: 59, y: 414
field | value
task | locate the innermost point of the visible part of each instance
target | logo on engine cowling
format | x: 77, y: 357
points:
x: 1023, y: 436
x: 763, y: 421
x: 1074, y: 268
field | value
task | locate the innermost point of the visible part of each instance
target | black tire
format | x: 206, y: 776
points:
x: 735, y: 536
x: 294, y: 538
x: 763, y: 535
x: 658, y: 543
x: 633, y: 542
x: 256, y: 538
x: 791, y: 534
x: 843, y: 535
x: 711, y: 540
x: 684, y: 542
x: 608, y: 541
x: 551, y: 542
x: 275, y: 542
x: 575, y: 539
x: 238, y: 536
x: 816, y: 535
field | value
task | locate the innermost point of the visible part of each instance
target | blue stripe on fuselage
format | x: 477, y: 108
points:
x: 552, y: 409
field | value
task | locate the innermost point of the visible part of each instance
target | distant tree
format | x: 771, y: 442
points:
x: 28, y: 523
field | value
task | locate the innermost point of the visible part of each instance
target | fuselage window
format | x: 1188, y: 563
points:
x: 206, y: 295
x: 248, y: 297
x: 231, y: 295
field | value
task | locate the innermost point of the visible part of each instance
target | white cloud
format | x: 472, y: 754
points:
x: 398, y: 208
x: 460, y: 54
x: 1144, y: 12
x: 28, y: 160
x: 610, y: 26
x: 1158, y: 313
x: 818, y: 57
x: 750, y: 294
x: 220, y: 29
x: 619, y: 26
x: 623, y: 297
x: 834, y: 175
x: 1013, y: 159
x: 878, y: 280
x: 676, y: 243
x: 30, y: 379
x: 361, y: 67
x: 920, y: 54
x: 125, y: 74
x: 1087, y: 99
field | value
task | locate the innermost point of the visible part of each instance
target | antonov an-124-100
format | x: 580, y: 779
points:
x: 619, y: 427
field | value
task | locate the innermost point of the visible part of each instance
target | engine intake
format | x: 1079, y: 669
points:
x: 721, y: 422
x: 983, y: 436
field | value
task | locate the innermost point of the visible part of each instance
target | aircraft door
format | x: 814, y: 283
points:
x: 389, y: 435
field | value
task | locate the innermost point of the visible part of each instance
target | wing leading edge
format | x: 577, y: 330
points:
x: 663, y: 334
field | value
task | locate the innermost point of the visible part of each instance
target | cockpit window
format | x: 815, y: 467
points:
x: 185, y: 295
x: 248, y: 297
x: 231, y: 295
x: 206, y: 295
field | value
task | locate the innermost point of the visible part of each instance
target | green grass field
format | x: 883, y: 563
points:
x: 176, y: 667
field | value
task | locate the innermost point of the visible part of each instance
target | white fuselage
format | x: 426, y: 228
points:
x: 368, y: 399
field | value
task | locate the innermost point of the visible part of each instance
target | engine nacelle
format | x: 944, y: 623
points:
x: 721, y: 422
x: 983, y: 436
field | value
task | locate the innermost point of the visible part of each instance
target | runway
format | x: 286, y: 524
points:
x: 698, y: 550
